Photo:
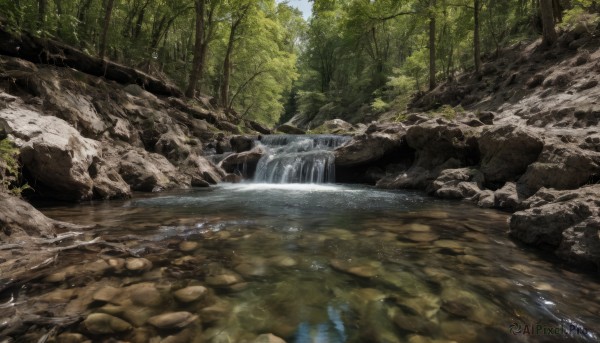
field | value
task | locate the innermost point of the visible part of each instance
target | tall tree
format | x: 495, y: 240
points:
x: 202, y: 40
x: 106, y: 26
x: 549, y: 32
x: 432, y: 68
x: 197, y: 63
x: 476, y: 39
x: 236, y: 21
x: 42, y: 8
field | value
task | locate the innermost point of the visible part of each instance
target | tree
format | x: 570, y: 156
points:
x: 237, y: 17
x: 106, y: 26
x: 476, y: 39
x: 547, y: 13
x: 199, y: 55
x: 432, y: 68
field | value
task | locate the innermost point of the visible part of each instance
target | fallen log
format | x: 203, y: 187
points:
x: 48, y: 51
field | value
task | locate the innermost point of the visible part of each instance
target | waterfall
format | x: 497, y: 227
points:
x: 298, y: 158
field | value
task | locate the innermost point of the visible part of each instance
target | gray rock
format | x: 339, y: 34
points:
x: 561, y: 166
x: 506, y: 151
x: 370, y: 147
x: 544, y: 224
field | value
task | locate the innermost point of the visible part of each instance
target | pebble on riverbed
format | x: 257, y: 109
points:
x: 190, y: 294
x: 138, y: 264
x: 103, y: 324
x: 172, y: 320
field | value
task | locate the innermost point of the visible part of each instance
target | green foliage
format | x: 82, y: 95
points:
x: 10, y: 169
x: 579, y: 15
x: 378, y: 105
x: 448, y: 112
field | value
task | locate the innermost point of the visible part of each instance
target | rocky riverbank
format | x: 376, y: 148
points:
x: 528, y: 142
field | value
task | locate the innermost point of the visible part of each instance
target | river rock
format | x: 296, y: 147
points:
x: 508, y: 197
x: 106, y: 294
x: 104, y: 324
x: 187, y: 246
x: 71, y: 338
x: 364, y: 270
x: 237, y: 161
x: 421, y: 236
x: 225, y: 279
x: 283, y: 261
x: 145, y: 294
x: 507, y: 150
x: 190, y: 294
x: 172, y: 320
x: 138, y: 264
x: 268, y: 338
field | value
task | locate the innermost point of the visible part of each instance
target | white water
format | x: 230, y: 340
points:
x: 298, y: 159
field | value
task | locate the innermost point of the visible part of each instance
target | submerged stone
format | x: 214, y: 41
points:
x: 283, y: 261
x: 187, y: 246
x: 268, y: 338
x: 102, y: 324
x: 226, y: 279
x: 172, y: 320
x: 191, y: 293
x: 138, y: 264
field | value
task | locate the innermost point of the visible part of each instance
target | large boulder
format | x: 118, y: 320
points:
x: 563, y: 221
x: 58, y: 160
x: 150, y: 172
x: 378, y: 141
x: 52, y: 152
x: 241, y: 143
x: 19, y: 219
x: 506, y: 151
x: 243, y: 160
x: 561, y: 166
x: 437, y: 141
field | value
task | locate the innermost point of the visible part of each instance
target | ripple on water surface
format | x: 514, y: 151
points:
x: 312, y: 263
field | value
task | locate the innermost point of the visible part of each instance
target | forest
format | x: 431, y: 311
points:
x: 263, y: 61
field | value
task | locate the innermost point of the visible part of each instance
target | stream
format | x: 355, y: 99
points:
x: 308, y: 262
x: 336, y: 263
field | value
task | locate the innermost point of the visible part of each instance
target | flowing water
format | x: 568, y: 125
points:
x: 298, y: 158
x: 320, y: 263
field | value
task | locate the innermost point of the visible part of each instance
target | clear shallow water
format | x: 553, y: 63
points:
x: 332, y: 263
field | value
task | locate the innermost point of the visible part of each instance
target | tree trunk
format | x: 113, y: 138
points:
x: 557, y: 9
x: 198, y: 63
x: 227, y: 71
x: 432, y: 69
x: 549, y: 33
x: 224, y: 91
x: 42, y: 6
x: 107, y: 14
x: 476, y: 42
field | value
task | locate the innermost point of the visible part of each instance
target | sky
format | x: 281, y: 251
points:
x: 302, y: 5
